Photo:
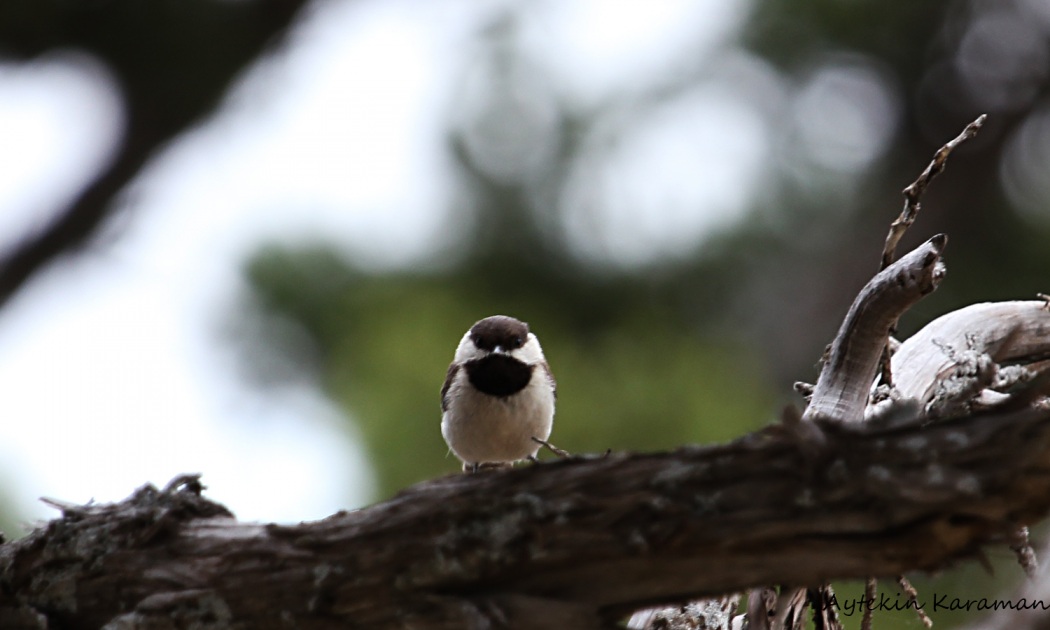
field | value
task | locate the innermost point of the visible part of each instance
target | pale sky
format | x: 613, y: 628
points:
x: 113, y: 369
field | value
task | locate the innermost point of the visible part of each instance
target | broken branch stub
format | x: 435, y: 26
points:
x: 842, y: 391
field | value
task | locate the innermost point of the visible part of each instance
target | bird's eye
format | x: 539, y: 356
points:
x: 518, y: 341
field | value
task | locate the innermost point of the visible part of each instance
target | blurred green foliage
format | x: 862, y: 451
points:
x: 386, y: 341
x: 10, y: 525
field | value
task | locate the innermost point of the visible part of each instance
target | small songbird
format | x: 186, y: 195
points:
x: 498, y: 395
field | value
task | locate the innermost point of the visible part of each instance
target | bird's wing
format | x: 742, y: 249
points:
x: 451, y: 374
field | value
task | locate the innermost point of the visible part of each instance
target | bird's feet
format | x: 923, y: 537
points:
x: 474, y: 467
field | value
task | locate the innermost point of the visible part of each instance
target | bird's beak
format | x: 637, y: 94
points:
x: 498, y: 350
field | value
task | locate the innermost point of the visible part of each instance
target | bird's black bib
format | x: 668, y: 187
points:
x: 498, y: 375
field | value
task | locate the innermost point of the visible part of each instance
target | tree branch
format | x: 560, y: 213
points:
x: 913, y: 192
x: 846, y: 378
x: 912, y: 196
x: 974, y: 356
x: 168, y: 80
x: 575, y: 541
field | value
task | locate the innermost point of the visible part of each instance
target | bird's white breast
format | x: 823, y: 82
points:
x: 482, y: 428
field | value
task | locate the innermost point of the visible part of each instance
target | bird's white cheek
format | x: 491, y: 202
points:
x: 530, y: 352
x: 467, y: 351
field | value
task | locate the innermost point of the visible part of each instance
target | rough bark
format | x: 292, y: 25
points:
x: 573, y: 543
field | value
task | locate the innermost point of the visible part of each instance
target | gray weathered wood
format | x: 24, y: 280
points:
x: 988, y: 348
x: 842, y: 391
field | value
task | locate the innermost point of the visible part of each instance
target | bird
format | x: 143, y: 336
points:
x: 497, y: 402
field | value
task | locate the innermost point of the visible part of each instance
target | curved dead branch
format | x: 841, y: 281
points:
x: 845, y: 380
